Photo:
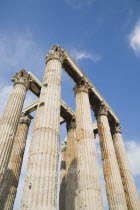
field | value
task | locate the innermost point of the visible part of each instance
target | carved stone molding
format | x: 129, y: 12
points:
x: 22, y: 77
x: 71, y: 124
x: 55, y: 53
x: 102, y: 110
x: 25, y: 119
x: 81, y: 85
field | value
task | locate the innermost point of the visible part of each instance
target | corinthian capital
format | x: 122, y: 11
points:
x: 81, y: 85
x: 25, y: 119
x: 117, y: 128
x: 71, y: 124
x: 56, y: 52
x: 22, y: 77
x: 103, y: 109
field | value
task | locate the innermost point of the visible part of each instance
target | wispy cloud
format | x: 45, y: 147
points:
x: 79, y: 4
x: 20, y: 51
x: 133, y: 151
x: 80, y: 55
x: 134, y: 38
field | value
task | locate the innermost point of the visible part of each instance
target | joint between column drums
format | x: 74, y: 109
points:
x: 78, y: 166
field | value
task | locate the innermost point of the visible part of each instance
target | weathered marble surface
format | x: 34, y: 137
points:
x: 11, y: 178
x: 125, y: 171
x: 10, y: 118
x: 114, y: 186
x: 40, y: 188
x: 88, y: 189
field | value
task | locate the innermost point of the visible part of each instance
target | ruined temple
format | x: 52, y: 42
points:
x: 80, y: 187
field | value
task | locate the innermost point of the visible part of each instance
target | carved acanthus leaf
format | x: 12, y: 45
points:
x: 22, y: 77
x: 71, y: 124
x: 56, y: 52
x: 25, y: 119
x: 81, y: 85
x: 103, y: 109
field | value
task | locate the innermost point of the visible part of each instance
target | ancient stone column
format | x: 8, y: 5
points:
x: 40, y: 188
x: 10, y: 118
x: 11, y: 179
x: 62, y: 192
x: 71, y: 171
x: 114, y: 187
x: 88, y: 192
x: 125, y: 171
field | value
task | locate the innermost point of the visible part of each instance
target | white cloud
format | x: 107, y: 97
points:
x: 80, y: 55
x: 79, y: 4
x: 134, y: 38
x: 20, y: 51
x: 133, y: 151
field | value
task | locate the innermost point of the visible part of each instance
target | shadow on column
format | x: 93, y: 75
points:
x: 62, y: 192
x: 68, y: 188
x: 6, y: 197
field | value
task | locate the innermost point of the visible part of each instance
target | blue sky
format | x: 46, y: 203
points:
x: 104, y: 39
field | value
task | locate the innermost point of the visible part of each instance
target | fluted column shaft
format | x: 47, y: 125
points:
x: 125, y: 171
x: 114, y: 187
x: 40, y: 188
x: 11, y: 179
x: 62, y: 192
x: 71, y: 171
x: 88, y: 193
x: 10, y: 119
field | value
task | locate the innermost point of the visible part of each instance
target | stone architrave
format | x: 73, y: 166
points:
x: 11, y: 179
x: 40, y: 187
x: 71, y: 172
x: 62, y: 192
x: 88, y: 192
x: 114, y: 187
x: 10, y: 118
x: 125, y: 170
